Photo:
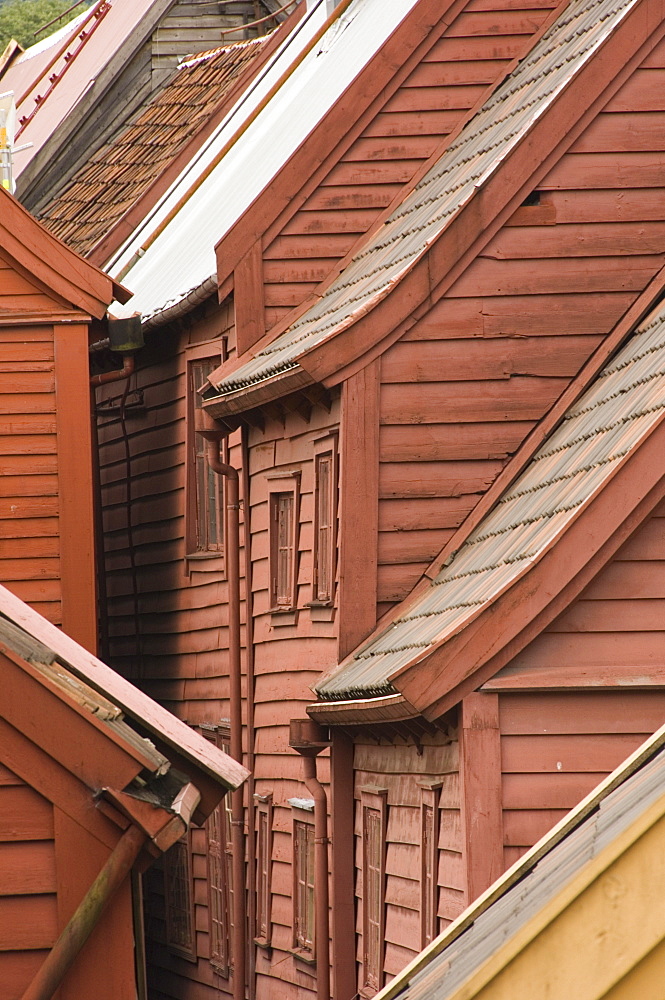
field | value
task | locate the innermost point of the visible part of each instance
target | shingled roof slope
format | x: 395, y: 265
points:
x: 407, y: 234
x: 122, y: 170
x: 621, y: 407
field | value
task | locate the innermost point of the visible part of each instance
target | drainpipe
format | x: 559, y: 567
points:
x: 213, y: 436
x: 128, y: 365
x: 118, y: 866
x: 309, y: 739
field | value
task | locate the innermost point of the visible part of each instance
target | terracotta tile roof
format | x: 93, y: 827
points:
x: 122, y: 170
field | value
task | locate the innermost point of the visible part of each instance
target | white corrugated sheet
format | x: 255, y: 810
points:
x: 182, y: 258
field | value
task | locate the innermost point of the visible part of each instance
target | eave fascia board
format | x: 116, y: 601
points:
x: 438, y: 679
x: 252, y: 396
x: 360, y: 711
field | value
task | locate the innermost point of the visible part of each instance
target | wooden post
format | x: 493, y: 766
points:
x: 75, y: 485
x: 480, y: 779
x: 359, y: 507
x: 343, y: 890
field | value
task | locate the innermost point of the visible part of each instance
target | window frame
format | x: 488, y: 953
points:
x: 430, y: 793
x: 179, y: 856
x: 282, y: 485
x: 263, y: 881
x: 324, y: 447
x: 303, y: 944
x: 373, y: 801
x: 220, y: 955
x: 197, y: 545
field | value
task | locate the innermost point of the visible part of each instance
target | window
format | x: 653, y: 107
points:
x: 205, y: 506
x: 284, y: 495
x: 429, y: 830
x: 220, y: 871
x: 303, y: 878
x: 374, y: 811
x: 178, y: 888
x: 263, y: 870
x: 325, y: 520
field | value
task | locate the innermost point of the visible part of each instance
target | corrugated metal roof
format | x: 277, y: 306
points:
x: 624, y: 403
x: 164, y: 275
x: 122, y: 170
x: 452, y: 966
x: 468, y: 162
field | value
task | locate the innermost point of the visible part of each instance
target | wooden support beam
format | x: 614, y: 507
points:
x: 75, y: 488
x: 359, y: 507
x: 480, y: 782
x: 343, y: 872
x: 249, y: 299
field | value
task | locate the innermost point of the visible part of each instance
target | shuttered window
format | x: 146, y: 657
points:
x: 179, y: 899
x: 284, y: 494
x: 325, y: 515
x: 373, y: 806
x: 220, y: 869
x: 263, y: 872
x: 303, y: 897
x: 205, y: 509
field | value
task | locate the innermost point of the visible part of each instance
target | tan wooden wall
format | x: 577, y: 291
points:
x: 462, y: 389
x: 404, y: 127
x: 28, y: 902
x: 398, y: 767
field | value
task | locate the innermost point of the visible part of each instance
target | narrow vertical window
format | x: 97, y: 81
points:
x: 373, y: 806
x: 263, y: 871
x: 219, y: 855
x: 304, y: 886
x: 429, y: 853
x: 205, y: 509
x: 178, y: 888
x: 325, y: 520
x: 283, y: 513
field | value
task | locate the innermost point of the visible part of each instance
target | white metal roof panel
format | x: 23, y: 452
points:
x: 612, y: 417
x: 468, y: 162
x: 182, y: 258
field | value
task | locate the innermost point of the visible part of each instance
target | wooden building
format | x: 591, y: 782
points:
x: 49, y: 300
x: 83, y: 816
x: 580, y: 911
x: 75, y: 88
x: 438, y: 290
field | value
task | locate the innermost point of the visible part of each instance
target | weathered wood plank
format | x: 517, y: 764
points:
x: 520, y: 398
x: 451, y: 442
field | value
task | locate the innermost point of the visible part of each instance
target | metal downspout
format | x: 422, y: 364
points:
x: 322, y: 935
x: 81, y: 925
x: 232, y: 558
